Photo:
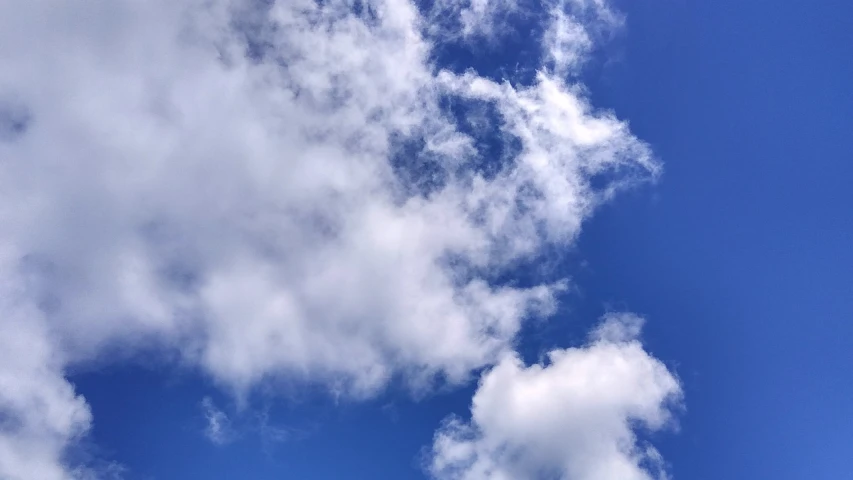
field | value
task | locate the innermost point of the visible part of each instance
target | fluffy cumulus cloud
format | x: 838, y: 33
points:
x: 573, y: 418
x: 39, y: 411
x: 276, y: 189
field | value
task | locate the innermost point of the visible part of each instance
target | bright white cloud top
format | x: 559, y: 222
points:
x: 572, y: 418
x: 235, y: 184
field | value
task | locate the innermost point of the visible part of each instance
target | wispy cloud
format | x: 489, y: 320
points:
x: 218, y: 427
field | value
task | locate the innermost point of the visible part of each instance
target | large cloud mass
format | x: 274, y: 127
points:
x: 275, y: 189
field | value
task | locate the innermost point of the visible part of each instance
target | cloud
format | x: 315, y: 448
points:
x: 573, y: 418
x: 40, y: 414
x: 474, y: 19
x: 219, y: 179
x: 218, y: 429
x: 574, y: 27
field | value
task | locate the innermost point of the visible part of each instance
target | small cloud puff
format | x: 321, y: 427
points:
x: 575, y: 418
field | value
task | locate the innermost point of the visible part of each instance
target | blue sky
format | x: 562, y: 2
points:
x: 229, y: 296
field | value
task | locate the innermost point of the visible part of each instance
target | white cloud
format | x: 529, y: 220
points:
x: 218, y: 428
x: 574, y: 27
x: 40, y: 414
x: 161, y: 189
x: 574, y: 418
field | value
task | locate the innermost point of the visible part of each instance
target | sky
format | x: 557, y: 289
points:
x: 447, y: 240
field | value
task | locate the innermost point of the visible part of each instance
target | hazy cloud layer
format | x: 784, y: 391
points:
x: 269, y: 190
